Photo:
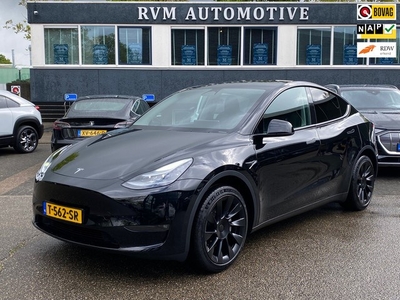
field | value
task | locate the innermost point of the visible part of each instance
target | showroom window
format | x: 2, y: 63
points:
x: 134, y: 46
x: 61, y: 46
x: 345, y: 46
x: 313, y: 46
x: 259, y: 46
x: 224, y: 46
x: 98, y: 45
x: 187, y: 47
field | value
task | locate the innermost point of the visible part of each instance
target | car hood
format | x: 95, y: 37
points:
x: 383, y: 119
x: 130, y: 152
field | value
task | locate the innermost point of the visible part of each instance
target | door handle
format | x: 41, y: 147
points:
x: 312, y: 141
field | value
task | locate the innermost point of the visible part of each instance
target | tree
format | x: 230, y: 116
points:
x: 20, y: 27
x: 4, y: 60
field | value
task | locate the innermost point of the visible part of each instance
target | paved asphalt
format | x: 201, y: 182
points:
x: 48, y: 127
x: 324, y: 254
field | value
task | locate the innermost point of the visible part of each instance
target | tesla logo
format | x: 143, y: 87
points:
x: 78, y: 170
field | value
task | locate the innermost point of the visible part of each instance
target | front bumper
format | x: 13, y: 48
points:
x: 385, y: 160
x: 388, y: 149
x: 57, y: 143
x: 153, y: 225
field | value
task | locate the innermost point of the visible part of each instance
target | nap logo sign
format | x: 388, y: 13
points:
x: 376, y: 31
x: 376, y: 11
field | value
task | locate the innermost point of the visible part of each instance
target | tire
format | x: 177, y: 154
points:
x: 362, y: 185
x: 26, y: 139
x: 220, y: 230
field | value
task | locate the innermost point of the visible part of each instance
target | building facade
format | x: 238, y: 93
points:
x: 157, y: 48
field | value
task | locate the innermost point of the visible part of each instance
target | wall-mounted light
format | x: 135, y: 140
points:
x: 35, y: 11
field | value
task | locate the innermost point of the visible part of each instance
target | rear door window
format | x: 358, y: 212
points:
x: 328, y: 106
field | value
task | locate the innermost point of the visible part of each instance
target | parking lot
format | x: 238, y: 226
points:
x: 323, y: 254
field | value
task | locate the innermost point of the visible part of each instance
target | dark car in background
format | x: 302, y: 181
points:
x: 381, y: 105
x: 206, y: 166
x: 97, y: 114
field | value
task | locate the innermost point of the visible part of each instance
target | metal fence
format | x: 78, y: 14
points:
x: 8, y: 74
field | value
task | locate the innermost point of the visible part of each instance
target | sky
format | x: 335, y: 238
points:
x: 9, y: 40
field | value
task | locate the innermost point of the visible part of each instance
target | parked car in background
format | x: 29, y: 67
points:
x: 381, y: 105
x: 205, y: 167
x: 97, y: 114
x: 21, y: 124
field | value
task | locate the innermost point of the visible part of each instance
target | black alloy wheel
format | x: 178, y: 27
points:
x: 362, y: 184
x: 26, y: 140
x: 220, y: 229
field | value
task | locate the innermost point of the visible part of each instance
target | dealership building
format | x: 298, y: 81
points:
x: 157, y: 48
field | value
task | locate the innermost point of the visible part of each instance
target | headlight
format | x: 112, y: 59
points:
x: 161, y: 177
x: 40, y: 174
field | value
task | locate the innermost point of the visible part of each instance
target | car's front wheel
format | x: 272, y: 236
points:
x: 220, y: 229
x: 362, y: 184
x: 26, y: 139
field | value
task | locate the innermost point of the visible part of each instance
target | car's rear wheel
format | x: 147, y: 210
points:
x: 26, y: 139
x: 220, y: 229
x: 362, y: 184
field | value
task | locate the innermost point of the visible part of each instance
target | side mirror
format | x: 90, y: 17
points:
x: 275, y: 128
x: 279, y: 128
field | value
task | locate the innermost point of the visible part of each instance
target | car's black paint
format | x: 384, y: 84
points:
x: 380, y: 104
x: 278, y: 171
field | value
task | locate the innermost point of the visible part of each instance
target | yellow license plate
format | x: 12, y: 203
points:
x: 62, y: 212
x: 90, y: 132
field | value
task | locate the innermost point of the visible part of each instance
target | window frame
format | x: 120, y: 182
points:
x: 272, y: 48
x: 148, y: 55
x: 61, y: 27
x: 204, y: 50
x: 311, y: 43
x: 239, y: 56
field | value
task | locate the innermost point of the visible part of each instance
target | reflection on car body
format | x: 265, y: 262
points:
x: 381, y: 105
x: 187, y: 180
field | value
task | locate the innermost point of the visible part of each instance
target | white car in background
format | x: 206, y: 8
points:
x: 21, y: 124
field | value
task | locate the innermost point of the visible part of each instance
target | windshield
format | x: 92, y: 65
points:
x: 98, y: 107
x: 384, y: 99
x: 205, y: 108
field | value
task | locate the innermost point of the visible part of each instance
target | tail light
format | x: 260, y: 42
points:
x: 37, y: 107
x: 58, y: 125
x: 123, y: 124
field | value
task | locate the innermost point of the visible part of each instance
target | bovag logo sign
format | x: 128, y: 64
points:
x: 376, y: 11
